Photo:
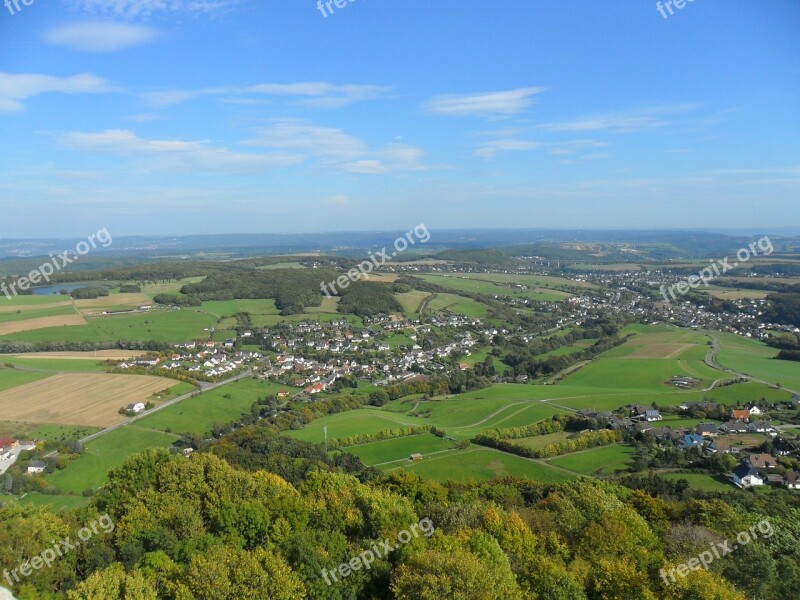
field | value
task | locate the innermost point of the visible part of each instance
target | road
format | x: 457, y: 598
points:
x: 711, y: 361
x: 204, y: 387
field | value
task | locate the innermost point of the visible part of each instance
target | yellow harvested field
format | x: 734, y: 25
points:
x: 21, y: 308
x: 100, y: 354
x: 41, y: 323
x: 131, y: 300
x: 78, y: 399
x: 739, y: 294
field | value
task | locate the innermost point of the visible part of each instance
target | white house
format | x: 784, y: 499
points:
x: 36, y: 466
x: 136, y: 408
x: 792, y: 480
x: 746, y: 476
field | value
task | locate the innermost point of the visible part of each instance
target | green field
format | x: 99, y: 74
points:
x: 200, y: 413
x: 166, y: 325
x: 55, y: 502
x: 603, y: 460
x: 483, y: 464
x: 399, y: 449
x: 351, y: 423
x: 411, y: 301
x: 756, y: 359
x: 701, y: 481
x: 465, y: 283
x: 110, y: 450
x: 11, y: 378
x: 457, y: 304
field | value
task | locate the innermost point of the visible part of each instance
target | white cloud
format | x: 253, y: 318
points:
x: 143, y: 9
x: 489, y: 104
x: 624, y: 122
x: 15, y: 88
x: 175, y: 154
x: 336, y: 149
x: 313, y: 94
x: 491, y: 148
x: 100, y: 36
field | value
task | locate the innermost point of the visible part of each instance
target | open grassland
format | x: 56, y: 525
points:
x: 480, y: 356
x: 199, y: 414
x: 350, y: 423
x: 481, y: 464
x: 228, y: 308
x: 603, y: 460
x: 78, y: 399
x: 56, y: 503
x: 702, y: 481
x: 110, y: 450
x: 756, y: 359
x: 168, y: 287
x: 459, y: 283
x: 578, y: 346
x: 457, y: 304
x: 411, y: 301
x: 329, y: 305
x: 399, y: 449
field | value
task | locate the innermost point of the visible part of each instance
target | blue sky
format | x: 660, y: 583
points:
x: 222, y: 116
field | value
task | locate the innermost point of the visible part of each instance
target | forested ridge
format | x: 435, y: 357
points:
x: 258, y: 516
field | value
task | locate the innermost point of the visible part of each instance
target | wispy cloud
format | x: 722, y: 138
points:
x: 175, y: 154
x: 143, y: 9
x: 491, y: 148
x: 100, y: 36
x: 14, y: 88
x: 338, y: 150
x: 313, y: 94
x: 632, y: 121
x: 488, y: 104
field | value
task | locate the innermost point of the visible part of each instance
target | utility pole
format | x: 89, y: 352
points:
x: 325, y: 429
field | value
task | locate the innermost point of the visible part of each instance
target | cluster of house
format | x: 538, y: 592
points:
x: 6, y: 446
x: 213, y: 360
x: 755, y: 471
x: 750, y: 471
x: 376, y: 358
